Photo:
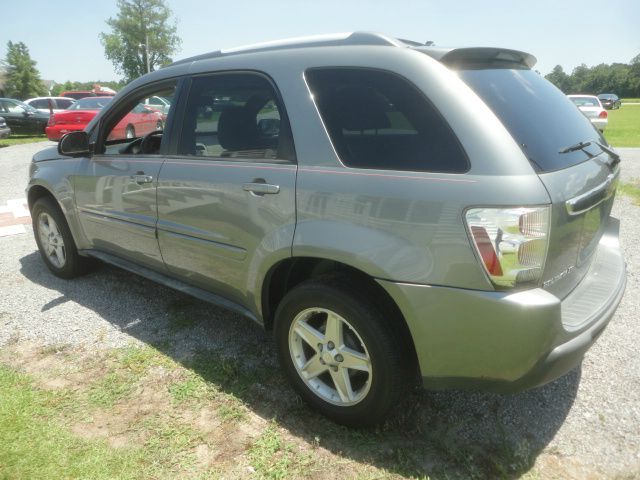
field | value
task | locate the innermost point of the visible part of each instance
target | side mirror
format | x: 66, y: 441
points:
x: 269, y: 127
x: 74, y: 144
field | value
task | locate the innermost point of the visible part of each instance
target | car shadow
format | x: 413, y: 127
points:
x: 453, y: 434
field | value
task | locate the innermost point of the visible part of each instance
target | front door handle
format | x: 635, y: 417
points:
x: 260, y: 188
x: 140, y: 179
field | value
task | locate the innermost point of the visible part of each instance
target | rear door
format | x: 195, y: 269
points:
x: 562, y: 146
x: 226, y: 198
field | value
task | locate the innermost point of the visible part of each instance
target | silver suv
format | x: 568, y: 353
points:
x: 390, y: 211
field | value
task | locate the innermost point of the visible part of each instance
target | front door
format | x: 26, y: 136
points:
x: 116, y: 192
x: 226, y: 201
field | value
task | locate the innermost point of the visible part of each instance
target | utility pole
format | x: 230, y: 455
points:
x: 146, y: 51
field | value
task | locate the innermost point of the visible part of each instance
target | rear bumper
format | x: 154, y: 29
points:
x: 600, y: 123
x: 55, y: 133
x: 506, y: 342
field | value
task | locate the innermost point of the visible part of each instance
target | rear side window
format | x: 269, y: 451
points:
x: 41, y: 104
x: 378, y: 120
x: 539, y: 116
x: 64, y: 104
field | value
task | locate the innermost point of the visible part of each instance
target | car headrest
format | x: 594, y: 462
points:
x: 357, y: 108
x: 237, y: 129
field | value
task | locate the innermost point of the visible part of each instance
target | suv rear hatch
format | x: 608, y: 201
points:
x: 570, y: 156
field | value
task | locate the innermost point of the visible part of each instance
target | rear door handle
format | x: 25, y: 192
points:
x: 140, y: 179
x: 260, y: 188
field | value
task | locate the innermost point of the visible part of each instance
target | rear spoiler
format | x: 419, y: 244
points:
x: 480, y: 57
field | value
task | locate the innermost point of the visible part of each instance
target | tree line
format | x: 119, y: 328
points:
x: 142, y: 39
x: 620, y: 78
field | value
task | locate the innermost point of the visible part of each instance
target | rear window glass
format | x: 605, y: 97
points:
x: 539, y: 116
x: 378, y: 120
x: 92, y: 103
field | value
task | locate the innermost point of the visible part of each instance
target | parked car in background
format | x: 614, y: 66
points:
x: 591, y: 108
x: 140, y: 121
x: 22, y: 118
x: 5, y: 131
x: 76, y: 117
x: 160, y: 104
x: 78, y: 94
x: 47, y: 104
x: 610, y: 101
x: 388, y: 210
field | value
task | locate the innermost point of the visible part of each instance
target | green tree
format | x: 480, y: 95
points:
x: 559, y: 78
x: 141, y: 37
x: 633, y: 80
x: 22, y: 77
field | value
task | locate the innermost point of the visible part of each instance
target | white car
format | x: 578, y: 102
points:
x: 46, y: 104
x: 591, y: 108
x: 161, y: 104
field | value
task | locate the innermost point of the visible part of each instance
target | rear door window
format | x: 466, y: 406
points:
x: 379, y: 120
x: 63, y: 103
x: 235, y: 116
x: 539, y: 116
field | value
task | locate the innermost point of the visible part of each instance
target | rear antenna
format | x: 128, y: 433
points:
x: 429, y: 43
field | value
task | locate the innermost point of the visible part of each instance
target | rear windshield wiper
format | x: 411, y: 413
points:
x: 573, y: 148
x: 612, y: 153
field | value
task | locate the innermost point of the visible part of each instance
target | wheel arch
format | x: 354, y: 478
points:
x: 290, y: 272
x: 38, y: 191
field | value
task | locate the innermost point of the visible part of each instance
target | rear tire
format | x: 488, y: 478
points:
x: 55, y: 242
x: 130, y: 132
x: 340, y: 352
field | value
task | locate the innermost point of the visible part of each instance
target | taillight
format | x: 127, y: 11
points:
x: 511, y: 243
x: 603, y: 114
x: 52, y: 121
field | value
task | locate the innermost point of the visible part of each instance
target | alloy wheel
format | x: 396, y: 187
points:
x: 330, y: 356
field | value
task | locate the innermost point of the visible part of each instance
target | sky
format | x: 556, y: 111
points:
x: 63, y: 37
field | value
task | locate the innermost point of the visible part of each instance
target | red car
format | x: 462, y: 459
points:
x: 138, y: 122
x: 78, y: 94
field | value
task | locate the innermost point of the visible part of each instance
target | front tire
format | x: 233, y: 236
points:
x: 55, y: 242
x: 340, y: 352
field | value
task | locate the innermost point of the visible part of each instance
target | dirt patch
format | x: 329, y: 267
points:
x: 148, y: 416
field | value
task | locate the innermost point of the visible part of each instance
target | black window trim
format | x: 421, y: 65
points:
x: 287, y: 137
x: 416, y: 88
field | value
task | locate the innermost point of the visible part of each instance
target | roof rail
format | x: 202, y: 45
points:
x: 354, y: 38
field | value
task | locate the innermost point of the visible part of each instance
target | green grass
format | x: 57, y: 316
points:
x: 35, y: 446
x: 273, y: 458
x: 137, y: 412
x: 630, y: 100
x: 623, y: 129
x: 18, y: 139
x: 630, y: 190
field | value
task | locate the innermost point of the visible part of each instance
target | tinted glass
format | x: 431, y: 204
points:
x: 379, y: 120
x: 539, y: 116
x: 92, y: 103
x: 234, y: 116
x: 63, y: 104
x: 585, y: 101
x: 43, y: 104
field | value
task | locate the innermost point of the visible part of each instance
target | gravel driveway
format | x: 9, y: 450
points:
x: 584, y: 425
